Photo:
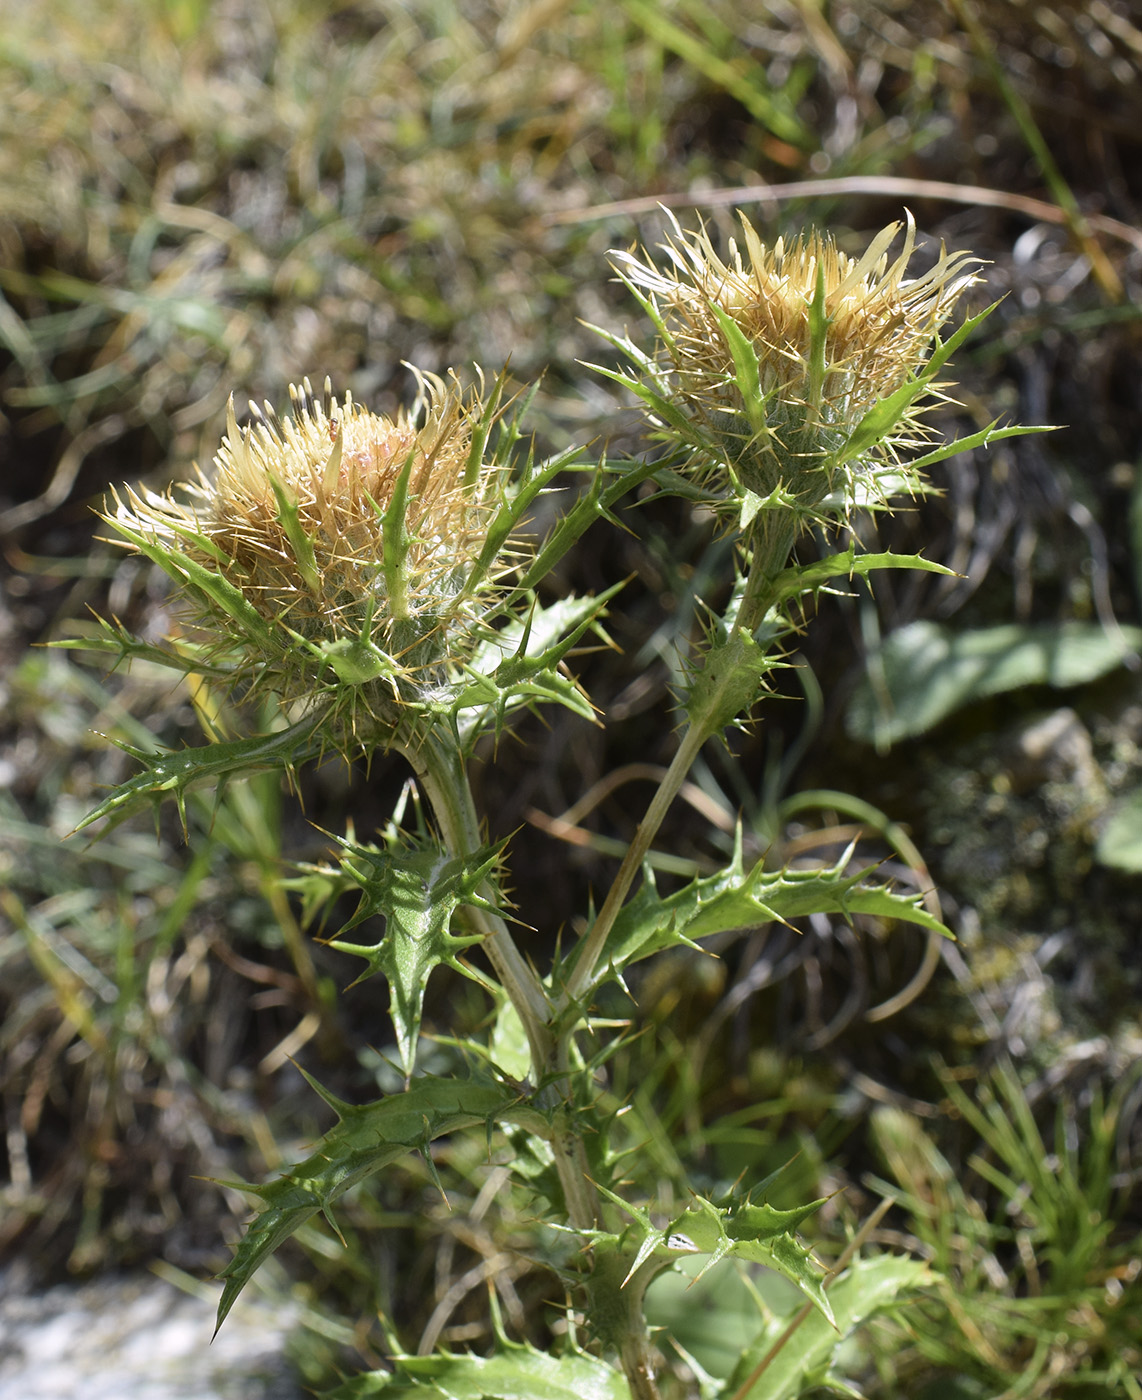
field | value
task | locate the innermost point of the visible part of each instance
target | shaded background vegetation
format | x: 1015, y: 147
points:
x: 198, y: 199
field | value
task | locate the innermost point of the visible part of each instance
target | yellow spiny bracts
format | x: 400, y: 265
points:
x: 351, y: 536
x: 778, y: 353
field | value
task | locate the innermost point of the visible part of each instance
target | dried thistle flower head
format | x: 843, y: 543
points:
x: 335, y: 547
x: 779, y: 355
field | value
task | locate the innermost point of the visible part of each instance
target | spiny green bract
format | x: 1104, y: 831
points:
x: 337, y: 558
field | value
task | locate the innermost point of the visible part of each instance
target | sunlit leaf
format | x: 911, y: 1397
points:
x: 516, y: 1373
x: 1120, y: 844
x: 364, y: 1140
x: 808, y: 1359
x: 739, y: 898
x: 416, y: 890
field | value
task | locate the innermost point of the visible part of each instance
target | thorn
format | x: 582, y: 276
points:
x: 332, y: 473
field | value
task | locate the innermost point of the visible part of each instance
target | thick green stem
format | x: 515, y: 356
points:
x: 635, y: 1357
x: 443, y: 778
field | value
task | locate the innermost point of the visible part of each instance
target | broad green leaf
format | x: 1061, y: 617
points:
x: 808, y: 1358
x: 516, y: 1373
x: 175, y: 773
x: 737, y: 898
x: 364, y: 1140
x: 1120, y: 845
x: 924, y: 672
x: 711, y: 1320
x: 417, y: 891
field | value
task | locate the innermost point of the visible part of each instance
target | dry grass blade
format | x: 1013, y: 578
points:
x: 886, y: 186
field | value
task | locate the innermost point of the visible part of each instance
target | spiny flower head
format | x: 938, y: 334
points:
x: 335, y: 547
x: 780, y: 354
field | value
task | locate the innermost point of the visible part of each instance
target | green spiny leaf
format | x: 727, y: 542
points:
x: 541, y: 641
x: 792, y: 583
x: 113, y: 639
x: 519, y: 665
x: 747, y: 370
x: 300, y: 543
x: 596, y: 503
x: 515, y: 1373
x: 819, y: 323
x: 729, y: 681
x: 175, y: 773
x: 984, y: 438
x: 481, y: 428
x: 736, y: 898
x: 396, y: 541
x: 758, y: 1234
x: 658, y: 401
x: 514, y: 507
x: 884, y: 415
x: 417, y: 891
x: 225, y: 596
x: 366, y: 1139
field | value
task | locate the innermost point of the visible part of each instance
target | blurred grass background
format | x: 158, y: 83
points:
x: 203, y: 198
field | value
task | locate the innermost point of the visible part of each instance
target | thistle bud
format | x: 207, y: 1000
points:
x: 335, y: 549
x: 779, y: 354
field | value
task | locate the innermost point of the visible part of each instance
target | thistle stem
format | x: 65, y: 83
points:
x: 441, y: 772
x: 771, y: 539
x: 580, y: 979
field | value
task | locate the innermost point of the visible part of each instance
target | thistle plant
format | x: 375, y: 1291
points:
x: 365, y: 574
x: 775, y: 359
x: 338, y: 548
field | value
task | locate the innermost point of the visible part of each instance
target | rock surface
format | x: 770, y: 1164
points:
x: 137, y: 1338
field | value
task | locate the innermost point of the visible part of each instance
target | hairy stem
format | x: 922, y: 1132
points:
x: 635, y: 1356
